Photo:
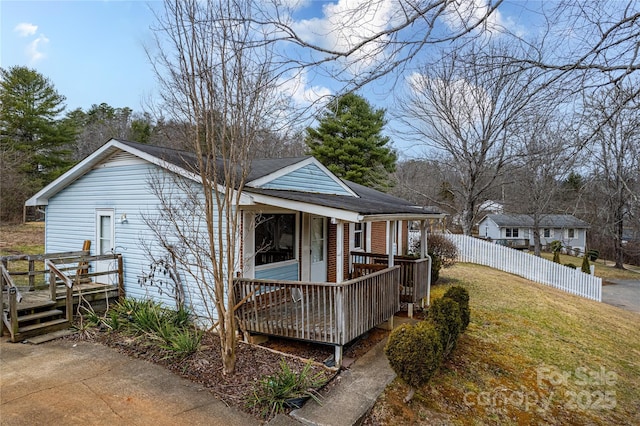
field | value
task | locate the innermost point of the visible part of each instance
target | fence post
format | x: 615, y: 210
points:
x: 32, y: 278
x: 69, y: 303
x: 13, y: 311
x: 121, y: 294
x: 52, y: 286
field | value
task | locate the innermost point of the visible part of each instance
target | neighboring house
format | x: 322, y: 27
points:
x: 314, y: 228
x: 516, y: 230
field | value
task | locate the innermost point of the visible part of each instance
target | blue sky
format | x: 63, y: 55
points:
x: 93, y: 51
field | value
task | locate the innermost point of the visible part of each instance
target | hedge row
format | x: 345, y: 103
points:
x: 415, y: 352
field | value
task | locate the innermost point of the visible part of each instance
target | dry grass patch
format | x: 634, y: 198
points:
x: 604, y: 268
x: 21, y: 239
x: 531, y: 355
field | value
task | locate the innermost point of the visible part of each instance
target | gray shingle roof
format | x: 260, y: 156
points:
x: 371, y: 201
x: 546, y: 221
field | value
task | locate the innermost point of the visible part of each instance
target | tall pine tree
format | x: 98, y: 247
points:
x: 35, y: 141
x: 349, y: 142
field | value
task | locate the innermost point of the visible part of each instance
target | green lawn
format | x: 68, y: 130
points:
x: 531, y: 355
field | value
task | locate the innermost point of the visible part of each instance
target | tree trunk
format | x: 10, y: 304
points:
x: 467, y: 220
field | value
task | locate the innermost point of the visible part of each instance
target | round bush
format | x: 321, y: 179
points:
x: 445, y: 315
x: 414, y: 352
x: 571, y: 265
x: 441, y: 246
x: 461, y: 296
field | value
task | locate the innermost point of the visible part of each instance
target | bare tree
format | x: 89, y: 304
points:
x: 363, y: 41
x: 549, y: 150
x: 469, y: 109
x: 615, y: 153
x: 217, y: 81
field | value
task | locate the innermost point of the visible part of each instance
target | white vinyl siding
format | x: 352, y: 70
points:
x: 71, y: 219
x: 309, y: 178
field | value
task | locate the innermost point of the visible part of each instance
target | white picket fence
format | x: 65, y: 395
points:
x: 526, y: 265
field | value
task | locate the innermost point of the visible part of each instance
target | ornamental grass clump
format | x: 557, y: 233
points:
x: 272, y: 394
x: 171, y: 330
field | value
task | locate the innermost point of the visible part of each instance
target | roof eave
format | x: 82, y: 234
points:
x: 402, y: 216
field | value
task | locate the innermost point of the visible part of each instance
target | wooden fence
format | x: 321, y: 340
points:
x: 528, y: 266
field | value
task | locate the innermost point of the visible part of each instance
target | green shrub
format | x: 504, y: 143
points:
x: 461, y: 296
x: 414, y: 352
x: 571, y: 265
x: 436, y: 265
x: 271, y: 392
x: 593, y: 255
x: 446, y: 317
x: 586, y: 267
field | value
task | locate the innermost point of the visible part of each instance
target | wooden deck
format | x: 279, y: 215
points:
x: 88, y: 291
x: 31, y: 308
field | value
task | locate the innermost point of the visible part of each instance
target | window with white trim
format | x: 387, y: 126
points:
x: 359, y: 236
x: 547, y: 233
x: 571, y: 233
x: 275, y: 238
x: 511, y: 232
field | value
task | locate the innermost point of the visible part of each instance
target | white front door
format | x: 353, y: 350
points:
x: 318, y: 242
x: 105, y: 236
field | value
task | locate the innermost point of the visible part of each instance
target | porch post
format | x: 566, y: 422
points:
x: 423, y: 254
x: 390, y: 236
x: 423, y: 238
x: 339, y: 251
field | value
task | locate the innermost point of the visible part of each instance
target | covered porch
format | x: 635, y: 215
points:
x: 328, y: 267
x: 358, y: 289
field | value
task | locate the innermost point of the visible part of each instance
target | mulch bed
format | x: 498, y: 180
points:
x: 253, y: 361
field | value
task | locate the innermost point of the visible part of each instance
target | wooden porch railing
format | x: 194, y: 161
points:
x: 39, y: 303
x: 32, y: 277
x: 331, y: 313
x: 414, y: 273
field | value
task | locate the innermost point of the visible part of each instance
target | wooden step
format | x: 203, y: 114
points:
x: 42, y: 325
x: 39, y: 315
x: 39, y: 304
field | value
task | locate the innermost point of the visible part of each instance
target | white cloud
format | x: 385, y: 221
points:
x: 33, y: 49
x: 298, y: 89
x: 462, y: 14
x: 347, y: 23
x: 25, y: 29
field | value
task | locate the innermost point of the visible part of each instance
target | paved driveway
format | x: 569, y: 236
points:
x: 80, y: 383
x: 624, y: 294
